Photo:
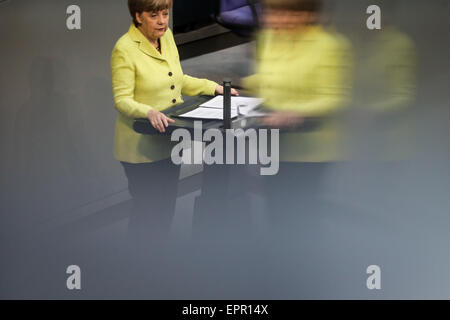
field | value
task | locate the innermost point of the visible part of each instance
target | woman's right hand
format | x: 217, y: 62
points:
x: 159, y: 120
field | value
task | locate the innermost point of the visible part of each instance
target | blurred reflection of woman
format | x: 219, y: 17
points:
x: 303, y: 76
x: 147, y: 78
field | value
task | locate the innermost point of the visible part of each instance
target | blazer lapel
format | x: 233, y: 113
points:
x: 145, y: 45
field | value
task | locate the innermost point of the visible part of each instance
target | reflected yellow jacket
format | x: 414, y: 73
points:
x: 388, y: 84
x: 307, y: 72
x: 144, y: 79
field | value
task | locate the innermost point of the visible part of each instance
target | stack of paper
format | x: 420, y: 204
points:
x: 213, y: 109
x: 208, y: 113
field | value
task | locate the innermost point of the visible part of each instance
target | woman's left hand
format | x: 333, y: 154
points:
x: 219, y: 90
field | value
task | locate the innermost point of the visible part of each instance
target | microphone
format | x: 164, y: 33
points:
x: 227, y: 104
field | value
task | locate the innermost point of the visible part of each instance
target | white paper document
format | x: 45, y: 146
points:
x: 208, y: 113
x: 213, y: 109
x: 245, y: 104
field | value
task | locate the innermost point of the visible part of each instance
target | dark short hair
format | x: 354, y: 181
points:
x: 294, y: 5
x: 139, y: 6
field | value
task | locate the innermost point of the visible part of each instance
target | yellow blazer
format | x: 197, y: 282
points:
x: 308, y: 72
x: 389, y: 62
x: 144, y: 79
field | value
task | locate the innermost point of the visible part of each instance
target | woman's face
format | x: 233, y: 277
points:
x: 288, y: 20
x: 153, y: 24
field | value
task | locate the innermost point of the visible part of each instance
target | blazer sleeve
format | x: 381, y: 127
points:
x: 400, y: 80
x: 250, y: 83
x: 123, y: 83
x: 195, y: 86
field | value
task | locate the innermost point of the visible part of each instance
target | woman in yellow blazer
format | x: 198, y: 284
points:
x: 302, y: 73
x: 147, y: 78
